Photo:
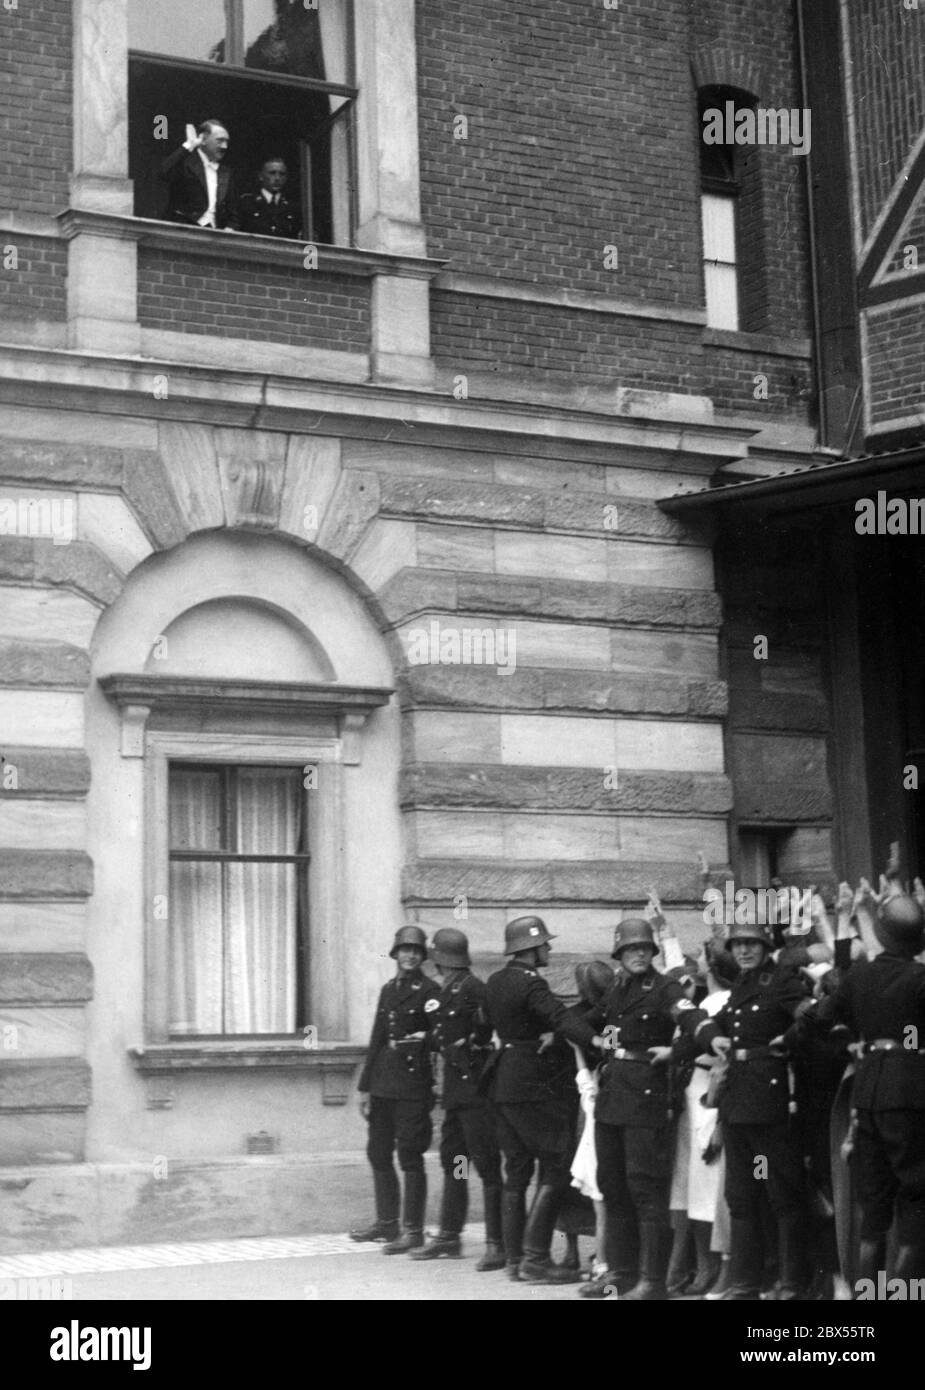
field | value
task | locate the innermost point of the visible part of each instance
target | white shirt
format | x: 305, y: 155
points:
x: 211, y: 170
x: 270, y: 197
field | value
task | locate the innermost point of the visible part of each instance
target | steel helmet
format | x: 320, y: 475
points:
x: 409, y: 936
x: 450, y: 948
x: 900, y: 923
x: 523, y: 933
x: 750, y: 931
x: 633, y: 931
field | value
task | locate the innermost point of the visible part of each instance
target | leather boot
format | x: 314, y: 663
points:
x: 385, y: 1226
x: 708, y: 1261
x: 746, y: 1259
x: 621, y: 1258
x: 415, y: 1200
x: 494, y: 1256
x: 453, y: 1209
x: 720, y: 1289
x: 680, y: 1267
x: 791, y: 1258
x: 654, y: 1247
x: 513, y: 1221
x: 536, y: 1267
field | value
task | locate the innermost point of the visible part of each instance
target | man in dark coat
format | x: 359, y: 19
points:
x: 201, y: 188
x: 462, y: 1035
x: 267, y: 211
x: 761, y: 1140
x: 533, y: 1113
x: 631, y: 1119
x: 396, y: 1095
x: 882, y: 1002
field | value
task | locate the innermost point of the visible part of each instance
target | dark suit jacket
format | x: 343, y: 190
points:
x: 462, y: 1034
x: 521, y: 1007
x: 395, y: 1070
x: 188, y: 195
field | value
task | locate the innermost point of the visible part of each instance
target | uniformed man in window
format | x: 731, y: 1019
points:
x: 396, y: 1096
x: 266, y: 211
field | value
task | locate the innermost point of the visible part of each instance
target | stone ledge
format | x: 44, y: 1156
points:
x: 43, y: 664
x: 52, y: 773
x: 55, y: 1083
x: 603, y: 515
x: 155, y: 1059
x: 41, y: 875
x: 416, y: 591
x: 486, y: 785
x: 565, y: 692
x: 78, y: 566
x: 607, y: 883
x: 52, y: 978
x: 529, y: 292
x: 781, y: 803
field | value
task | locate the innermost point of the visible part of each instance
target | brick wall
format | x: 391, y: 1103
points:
x: 895, y: 339
x: 888, y: 51
x: 35, y: 105
x: 228, y: 299
x: 37, y: 287
x: 729, y: 376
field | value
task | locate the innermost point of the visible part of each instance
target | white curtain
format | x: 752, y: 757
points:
x: 233, y: 926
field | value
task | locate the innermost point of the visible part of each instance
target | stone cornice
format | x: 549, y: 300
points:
x: 94, y: 382
x: 242, y: 246
x: 264, y: 697
x: 164, y: 1058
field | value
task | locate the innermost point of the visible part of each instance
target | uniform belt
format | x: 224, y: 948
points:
x: 891, y: 1045
x: 403, y: 1042
x: 631, y: 1054
x: 752, y: 1054
x: 704, y: 1066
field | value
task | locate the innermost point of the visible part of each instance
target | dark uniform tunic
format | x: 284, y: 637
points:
x: 883, y: 1004
x: 632, y: 1112
x: 533, y: 1118
x: 267, y: 219
x: 397, y: 1074
x: 755, y: 1104
x: 462, y: 1035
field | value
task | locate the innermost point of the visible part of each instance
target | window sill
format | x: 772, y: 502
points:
x: 160, y: 1059
x: 243, y: 246
x: 757, y: 342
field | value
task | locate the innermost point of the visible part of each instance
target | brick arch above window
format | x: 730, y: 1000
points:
x: 720, y: 66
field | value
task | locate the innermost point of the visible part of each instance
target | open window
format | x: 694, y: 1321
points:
x: 277, y: 73
x: 731, y: 222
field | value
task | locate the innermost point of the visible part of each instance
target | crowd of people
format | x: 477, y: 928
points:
x: 202, y: 191
x: 747, y: 1124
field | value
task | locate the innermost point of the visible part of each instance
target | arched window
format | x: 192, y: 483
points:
x: 731, y: 215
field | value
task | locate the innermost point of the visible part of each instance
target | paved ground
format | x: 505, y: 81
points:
x: 300, y: 1267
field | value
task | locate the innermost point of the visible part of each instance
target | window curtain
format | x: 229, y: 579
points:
x: 233, y: 926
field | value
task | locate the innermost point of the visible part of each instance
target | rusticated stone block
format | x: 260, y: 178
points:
x: 148, y: 492
x: 761, y: 758
x: 775, y: 802
x: 492, y: 786
x: 46, y: 772
x: 605, y: 883
x: 16, y: 560
x: 473, y: 501
x: 42, y: 464
x: 49, y: 978
x: 608, y: 516
x: 79, y: 566
x: 41, y: 874
x: 504, y: 596
x: 43, y: 664
x: 354, y: 504
x: 54, y: 1083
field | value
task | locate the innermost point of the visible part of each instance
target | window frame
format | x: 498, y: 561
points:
x: 349, y: 90
x: 326, y: 846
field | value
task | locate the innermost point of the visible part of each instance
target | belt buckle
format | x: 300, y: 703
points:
x: 740, y: 1054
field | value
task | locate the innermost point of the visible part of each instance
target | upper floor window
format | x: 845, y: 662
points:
x: 732, y: 222
x: 277, y: 74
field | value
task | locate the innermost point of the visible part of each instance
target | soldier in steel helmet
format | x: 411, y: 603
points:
x: 396, y: 1096
x: 764, y: 1161
x: 882, y: 1002
x: 638, y: 1020
x: 462, y: 1035
x: 533, y: 1112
